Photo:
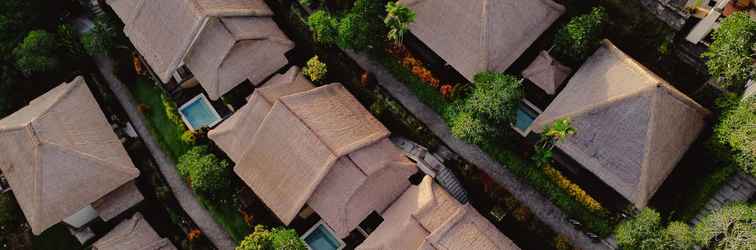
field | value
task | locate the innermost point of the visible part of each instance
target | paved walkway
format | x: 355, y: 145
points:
x: 541, y: 207
x: 739, y: 188
x: 167, y: 167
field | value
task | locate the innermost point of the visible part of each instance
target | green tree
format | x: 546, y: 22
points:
x: 577, y: 40
x: 398, y: 19
x: 495, y: 96
x: 353, y: 32
x: 470, y: 128
x: 277, y: 239
x: 729, y: 56
x: 737, y: 129
x: 732, y: 227
x: 645, y: 232
x: 207, y: 174
x: 101, y: 39
x: 69, y: 41
x: 36, y: 53
x: 679, y: 235
x: 552, y: 134
x: 324, y: 27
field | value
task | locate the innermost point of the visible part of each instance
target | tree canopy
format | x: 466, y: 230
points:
x: 101, y: 39
x: 729, y: 56
x: 36, y: 53
x: 729, y: 228
x: 276, y: 239
x: 398, y: 19
x: 207, y: 174
x: 492, y: 104
x: 576, y: 41
x: 645, y: 231
x: 737, y: 129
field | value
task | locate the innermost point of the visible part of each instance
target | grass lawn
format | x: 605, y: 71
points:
x: 169, y: 137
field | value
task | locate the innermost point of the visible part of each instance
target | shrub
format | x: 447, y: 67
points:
x: 737, y: 129
x: 315, y: 69
x: 470, y: 128
x: 324, y: 27
x: 680, y: 235
x: 398, y: 19
x: 644, y: 231
x: 101, y: 39
x: 277, y: 239
x: 208, y: 174
x: 495, y: 96
x: 577, y: 40
x: 352, y: 31
x: 69, y: 41
x: 730, y: 227
x: 574, y: 190
x: 36, y: 53
x: 729, y: 56
x: 189, y: 137
x: 171, y: 111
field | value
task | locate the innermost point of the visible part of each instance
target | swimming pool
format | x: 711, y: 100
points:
x: 198, y: 113
x: 320, y: 237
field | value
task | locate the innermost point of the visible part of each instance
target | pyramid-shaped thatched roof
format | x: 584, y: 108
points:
x: 481, y: 35
x: 235, y: 133
x: 546, y: 73
x: 632, y: 126
x: 60, y: 155
x: 223, y: 42
x: 427, y: 217
x: 323, y: 148
x: 133, y: 234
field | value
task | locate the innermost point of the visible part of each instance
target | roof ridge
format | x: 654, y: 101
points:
x: 485, y: 20
x: 643, y: 178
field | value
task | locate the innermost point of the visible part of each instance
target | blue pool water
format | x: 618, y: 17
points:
x: 322, y: 239
x: 524, y: 118
x: 199, y: 114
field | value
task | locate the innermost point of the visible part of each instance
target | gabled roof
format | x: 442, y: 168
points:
x: 133, y: 234
x: 230, y: 50
x: 427, y: 217
x: 483, y: 35
x: 216, y: 38
x: 546, y: 73
x: 60, y: 154
x: 300, y: 140
x: 235, y: 133
x: 632, y: 126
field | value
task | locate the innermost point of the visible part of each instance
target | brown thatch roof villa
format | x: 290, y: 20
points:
x: 317, y: 147
x: 234, y: 134
x: 133, y: 234
x: 427, y: 217
x: 481, y: 35
x: 64, y: 162
x: 632, y: 126
x: 222, y: 42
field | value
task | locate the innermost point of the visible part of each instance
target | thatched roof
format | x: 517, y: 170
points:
x: 632, y: 126
x: 304, y: 147
x: 60, y: 155
x: 483, y: 34
x: 546, y: 73
x: 427, y: 217
x: 223, y: 42
x: 133, y: 234
x: 235, y: 133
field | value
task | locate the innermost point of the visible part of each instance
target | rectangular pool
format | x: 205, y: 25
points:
x: 320, y: 237
x: 198, y: 113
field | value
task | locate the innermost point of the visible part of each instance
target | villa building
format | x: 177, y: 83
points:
x: 632, y: 126
x: 63, y: 161
x: 220, y: 44
x: 480, y: 35
x: 133, y: 234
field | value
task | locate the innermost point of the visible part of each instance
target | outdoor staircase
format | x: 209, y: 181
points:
x: 740, y: 188
x: 432, y: 165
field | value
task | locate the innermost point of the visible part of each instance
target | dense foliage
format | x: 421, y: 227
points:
x: 315, y: 69
x: 737, y: 129
x: 276, y: 239
x: 729, y: 56
x: 324, y: 27
x: 358, y: 29
x: 398, y: 19
x: 207, y: 174
x: 488, y: 110
x: 645, y: 231
x: 577, y: 40
x: 36, y: 54
x: 732, y: 227
x: 101, y: 39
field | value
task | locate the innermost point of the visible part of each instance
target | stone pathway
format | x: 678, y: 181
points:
x: 181, y: 191
x: 739, y: 188
x: 538, y: 204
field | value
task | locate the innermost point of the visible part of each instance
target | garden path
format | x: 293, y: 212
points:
x: 538, y: 204
x: 739, y: 188
x: 181, y: 191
